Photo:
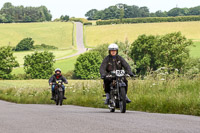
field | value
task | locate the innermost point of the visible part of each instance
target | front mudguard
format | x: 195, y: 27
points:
x: 122, y: 84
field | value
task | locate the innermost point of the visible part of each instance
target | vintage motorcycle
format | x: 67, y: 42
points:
x: 58, y: 92
x: 117, y: 91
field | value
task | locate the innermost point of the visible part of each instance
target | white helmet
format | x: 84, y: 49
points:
x: 113, y: 46
x: 57, y: 69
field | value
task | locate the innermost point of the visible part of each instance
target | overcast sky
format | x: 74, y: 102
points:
x: 78, y: 8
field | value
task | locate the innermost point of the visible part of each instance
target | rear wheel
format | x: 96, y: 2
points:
x: 122, y: 102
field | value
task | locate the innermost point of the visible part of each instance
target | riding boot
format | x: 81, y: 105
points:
x: 127, y: 99
x: 107, y: 98
x: 52, y: 95
x: 64, y: 95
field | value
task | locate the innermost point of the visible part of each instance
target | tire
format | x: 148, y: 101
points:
x: 122, y: 102
x: 112, y: 110
x: 61, y: 98
x: 57, y: 98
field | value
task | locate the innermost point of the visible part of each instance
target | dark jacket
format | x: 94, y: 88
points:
x: 110, y: 64
x: 55, y: 77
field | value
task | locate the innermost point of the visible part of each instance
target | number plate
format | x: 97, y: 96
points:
x: 120, y: 73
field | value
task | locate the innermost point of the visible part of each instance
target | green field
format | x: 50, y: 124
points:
x: 179, y: 96
x: 195, y: 51
x: 96, y: 35
x: 58, y: 54
x: 57, y: 34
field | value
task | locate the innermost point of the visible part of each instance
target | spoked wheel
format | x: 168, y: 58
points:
x: 122, y: 102
x: 61, y: 98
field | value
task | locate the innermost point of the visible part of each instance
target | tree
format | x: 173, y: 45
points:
x: 87, y: 65
x: 25, y: 14
x: 64, y: 18
x: 152, y: 52
x: 91, y: 14
x: 7, y: 62
x: 25, y: 44
x: 39, y: 65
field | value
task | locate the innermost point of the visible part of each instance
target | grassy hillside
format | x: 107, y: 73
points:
x: 195, y: 51
x: 58, y: 54
x: 51, y: 33
x: 95, y: 35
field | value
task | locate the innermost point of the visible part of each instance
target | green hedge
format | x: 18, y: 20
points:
x: 88, y: 23
x: 82, y: 20
x: 149, y: 20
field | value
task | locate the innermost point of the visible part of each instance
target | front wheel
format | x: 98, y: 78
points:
x: 61, y: 98
x: 122, y: 102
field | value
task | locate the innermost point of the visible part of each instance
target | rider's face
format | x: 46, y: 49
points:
x: 58, y: 73
x: 113, y: 52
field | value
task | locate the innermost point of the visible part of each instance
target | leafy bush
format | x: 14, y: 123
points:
x: 7, y: 62
x: 25, y: 44
x: 39, y: 65
x: 87, y: 65
x: 152, y: 52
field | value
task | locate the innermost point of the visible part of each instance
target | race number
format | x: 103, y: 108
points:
x: 120, y: 73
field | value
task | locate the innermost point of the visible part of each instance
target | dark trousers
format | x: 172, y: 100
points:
x: 107, y: 83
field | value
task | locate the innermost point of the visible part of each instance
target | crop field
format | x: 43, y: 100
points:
x: 167, y: 96
x: 57, y: 34
x: 96, y: 35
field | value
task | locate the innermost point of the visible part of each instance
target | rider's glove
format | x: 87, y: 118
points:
x: 131, y: 75
x: 103, y: 76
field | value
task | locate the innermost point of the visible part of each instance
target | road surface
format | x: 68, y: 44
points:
x: 79, y: 40
x: 30, y: 118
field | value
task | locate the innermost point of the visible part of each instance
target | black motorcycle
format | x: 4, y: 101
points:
x: 117, y: 91
x: 58, y: 92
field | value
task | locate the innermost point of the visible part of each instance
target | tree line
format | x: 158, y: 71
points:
x: 120, y: 11
x: 10, y: 13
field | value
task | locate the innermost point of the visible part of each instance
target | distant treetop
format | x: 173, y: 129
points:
x: 120, y: 11
x: 10, y: 13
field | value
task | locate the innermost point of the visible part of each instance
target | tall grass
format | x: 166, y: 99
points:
x: 179, y: 96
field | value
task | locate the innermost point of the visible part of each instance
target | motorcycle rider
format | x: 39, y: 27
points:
x: 57, y: 76
x: 111, y: 63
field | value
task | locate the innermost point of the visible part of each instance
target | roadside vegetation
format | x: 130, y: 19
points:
x: 176, y: 95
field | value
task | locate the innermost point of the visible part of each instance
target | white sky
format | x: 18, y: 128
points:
x: 78, y: 8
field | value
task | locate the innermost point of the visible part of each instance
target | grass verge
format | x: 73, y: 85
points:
x: 177, y: 96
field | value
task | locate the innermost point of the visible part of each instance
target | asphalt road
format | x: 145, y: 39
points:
x: 79, y: 40
x: 30, y: 118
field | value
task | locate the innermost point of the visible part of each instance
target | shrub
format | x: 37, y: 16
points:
x: 88, y: 23
x: 7, y: 62
x: 39, y: 65
x: 44, y: 46
x: 25, y: 44
x: 153, y: 52
x: 87, y: 65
